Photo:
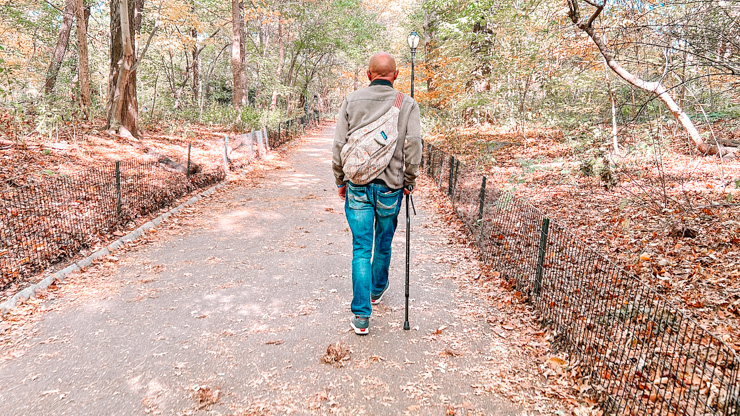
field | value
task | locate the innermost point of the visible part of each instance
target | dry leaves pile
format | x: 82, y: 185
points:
x: 336, y: 354
x: 206, y: 396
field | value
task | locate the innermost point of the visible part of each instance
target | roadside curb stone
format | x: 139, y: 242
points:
x: 60, y: 275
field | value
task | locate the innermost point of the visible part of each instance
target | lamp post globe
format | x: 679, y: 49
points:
x: 413, y: 40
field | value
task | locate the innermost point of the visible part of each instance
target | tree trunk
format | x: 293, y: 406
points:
x: 525, y: 90
x: 183, y: 84
x: 615, y: 141
x: 613, y: 101
x: 656, y: 88
x: 207, y: 79
x: 196, y: 61
x: 61, y: 49
x: 430, y: 44
x: 83, y: 67
x: 291, y: 70
x: 237, y: 55
x: 122, y: 108
x: 196, y: 69
x: 154, y: 99
x: 278, y: 72
x: 138, y: 17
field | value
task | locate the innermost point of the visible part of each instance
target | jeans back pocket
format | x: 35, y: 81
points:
x: 357, y: 197
x: 387, y: 203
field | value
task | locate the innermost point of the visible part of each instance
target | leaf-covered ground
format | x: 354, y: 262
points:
x: 672, y: 217
x: 77, y: 146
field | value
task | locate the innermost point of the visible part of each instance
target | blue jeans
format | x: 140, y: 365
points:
x: 372, y: 213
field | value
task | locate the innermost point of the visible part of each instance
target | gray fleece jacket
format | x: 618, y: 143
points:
x: 364, y: 106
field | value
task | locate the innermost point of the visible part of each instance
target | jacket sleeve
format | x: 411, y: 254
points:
x: 412, y: 147
x: 340, y: 138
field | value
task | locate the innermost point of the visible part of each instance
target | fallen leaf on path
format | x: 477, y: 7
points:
x: 448, y: 352
x: 336, y: 354
x: 440, y: 329
x: 206, y: 396
x: 556, y: 362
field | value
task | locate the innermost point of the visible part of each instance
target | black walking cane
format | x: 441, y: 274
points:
x: 406, y: 325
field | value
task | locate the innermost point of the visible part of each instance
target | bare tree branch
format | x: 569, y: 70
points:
x: 596, y: 14
x: 57, y: 8
x: 656, y: 88
x: 149, y: 41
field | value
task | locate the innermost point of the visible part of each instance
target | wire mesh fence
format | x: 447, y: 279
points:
x: 45, y: 223
x: 648, y: 356
x: 289, y: 129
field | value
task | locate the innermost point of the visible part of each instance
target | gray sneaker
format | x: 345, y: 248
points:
x: 360, y: 325
x: 375, y: 299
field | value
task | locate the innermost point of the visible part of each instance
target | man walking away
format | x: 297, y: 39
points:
x: 371, y: 185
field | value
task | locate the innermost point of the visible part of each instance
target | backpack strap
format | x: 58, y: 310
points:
x: 399, y: 100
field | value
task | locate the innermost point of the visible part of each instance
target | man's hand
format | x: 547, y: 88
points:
x: 342, y: 191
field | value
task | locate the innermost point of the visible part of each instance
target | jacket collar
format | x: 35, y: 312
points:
x: 382, y: 82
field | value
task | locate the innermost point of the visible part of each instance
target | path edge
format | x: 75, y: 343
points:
x: 134, y: 235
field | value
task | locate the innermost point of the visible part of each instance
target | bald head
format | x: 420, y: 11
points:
x: 382, y: 66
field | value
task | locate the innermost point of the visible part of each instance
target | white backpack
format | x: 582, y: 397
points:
x: 369, y: 150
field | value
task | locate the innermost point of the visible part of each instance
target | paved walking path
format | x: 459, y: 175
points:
x: 242, y: 294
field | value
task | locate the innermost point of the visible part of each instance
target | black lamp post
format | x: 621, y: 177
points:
x: 413, y: 43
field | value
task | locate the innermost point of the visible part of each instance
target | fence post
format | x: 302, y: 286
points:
x: 454, y: 183
x: 421, y: 163
x: 226, y: 154
x: 118, y: 187
x: 438, y: 163
x: 541, y: 257
x: 278, y: 138
x: 429, y: 159
x: 260, y: 144
x: 430, y: 164
x: 188, y: 174
x: 482, y: 198
x: 442, y: 158
x: 450, y: 178
x: 432, y: 161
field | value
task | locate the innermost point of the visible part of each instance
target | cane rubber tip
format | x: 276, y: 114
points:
x: 406, y: 326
